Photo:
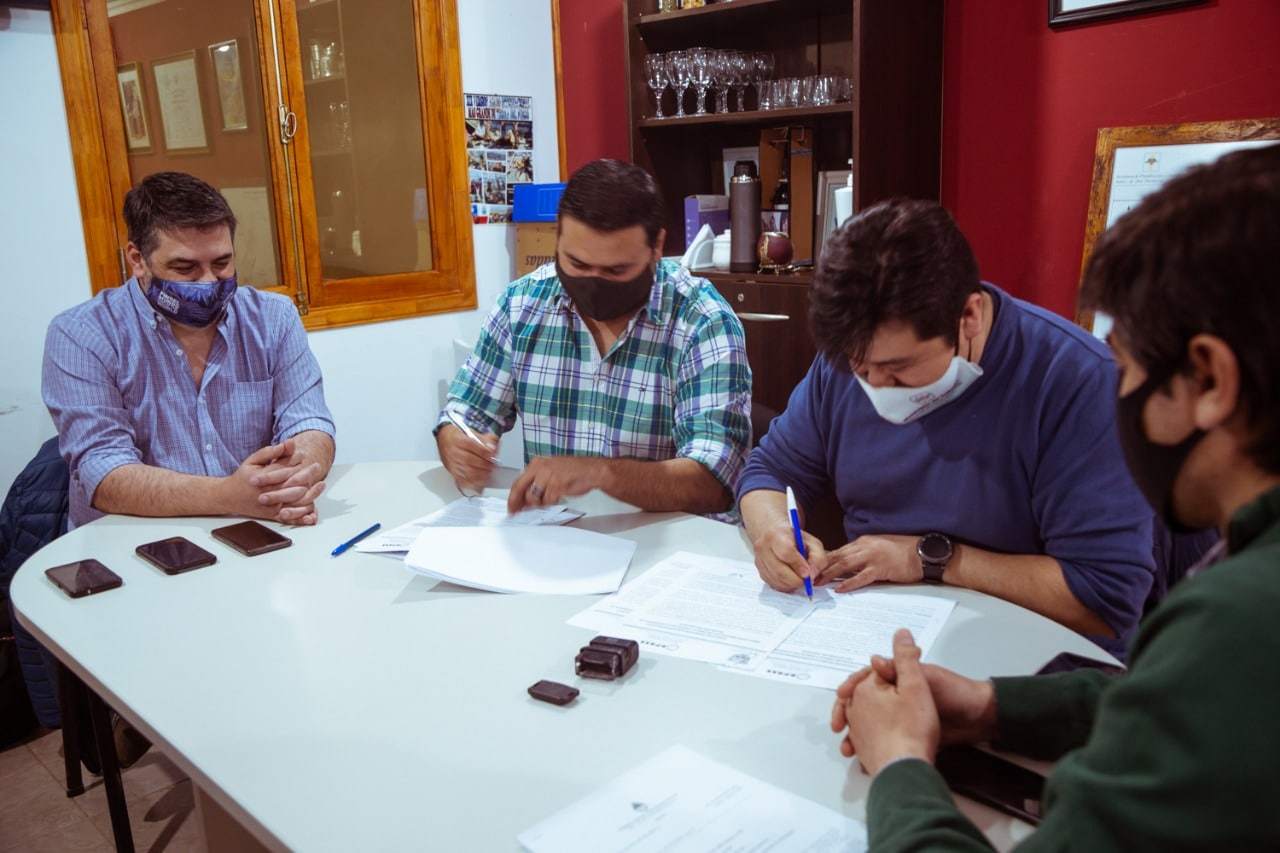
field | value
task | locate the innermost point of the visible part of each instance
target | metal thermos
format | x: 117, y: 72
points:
x: 744, y: 217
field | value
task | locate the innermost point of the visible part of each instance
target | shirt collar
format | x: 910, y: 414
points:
x: 1259, y: 520
x: 155, y: 319
x: 656, y: 308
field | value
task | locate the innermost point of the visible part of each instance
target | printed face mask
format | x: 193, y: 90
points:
x: 191, y: 303
x: 602, y: 299
x: 903, y: 405
x: 1154, y: 467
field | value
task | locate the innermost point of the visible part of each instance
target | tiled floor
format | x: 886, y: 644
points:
x: 36, y: 815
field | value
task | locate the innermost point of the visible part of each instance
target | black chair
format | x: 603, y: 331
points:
x: 33, y: 515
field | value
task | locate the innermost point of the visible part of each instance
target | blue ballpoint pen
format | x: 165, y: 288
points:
x: 354, y: 539
x: 794, y: 513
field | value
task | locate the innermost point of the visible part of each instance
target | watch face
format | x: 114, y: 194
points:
x: 935, y: 548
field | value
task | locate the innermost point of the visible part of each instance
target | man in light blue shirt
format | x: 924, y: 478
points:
x: 181, y: 393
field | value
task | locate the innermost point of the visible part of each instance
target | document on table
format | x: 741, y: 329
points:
x: 842, y: 633
x: 681, y: 802
x: 832, y: 637
x: 541, y: 559
x: 480, y: 511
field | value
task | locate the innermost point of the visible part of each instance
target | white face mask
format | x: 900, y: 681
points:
x: 903, y: 405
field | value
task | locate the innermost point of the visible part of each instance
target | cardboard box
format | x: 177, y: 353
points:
x: 535, y: 246
x: 702, y: 210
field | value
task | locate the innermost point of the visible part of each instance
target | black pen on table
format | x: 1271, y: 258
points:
x: 354, y: 539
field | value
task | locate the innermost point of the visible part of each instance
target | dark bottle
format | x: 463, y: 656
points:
x: 744, y: 217
x: 782, y: 192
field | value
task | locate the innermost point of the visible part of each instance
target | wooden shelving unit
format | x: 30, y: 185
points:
x: 891, y: 129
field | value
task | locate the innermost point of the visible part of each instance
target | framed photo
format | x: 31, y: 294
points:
x: 133, y: 106
x: 1063, y: 13
x: 225, y: 56
x: 828, y: 183
x: 1129, y: 163
x: 181, y: 111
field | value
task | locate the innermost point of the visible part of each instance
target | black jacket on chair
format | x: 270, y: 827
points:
x: 33, y: 515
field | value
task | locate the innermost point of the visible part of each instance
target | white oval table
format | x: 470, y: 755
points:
x: 345, y: 703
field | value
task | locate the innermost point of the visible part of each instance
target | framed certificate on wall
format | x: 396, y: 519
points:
x: 181, y: 110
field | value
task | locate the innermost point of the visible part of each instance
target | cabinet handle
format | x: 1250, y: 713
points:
x: 751, y: 316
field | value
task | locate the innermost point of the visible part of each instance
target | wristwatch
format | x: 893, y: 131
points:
x: 935, y: 551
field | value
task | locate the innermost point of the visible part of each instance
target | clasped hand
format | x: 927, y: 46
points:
x: 278, y: 483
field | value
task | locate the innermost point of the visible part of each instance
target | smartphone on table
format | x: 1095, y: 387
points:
x: 251, y: 538
x: 992, y: 780
x: 84, y: 577
x: 175, y: 555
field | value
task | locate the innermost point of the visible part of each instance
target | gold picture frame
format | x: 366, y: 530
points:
x: 224, y: 56
x: 177, y: 82
x: 1151, y: 154
x: 133, y: 108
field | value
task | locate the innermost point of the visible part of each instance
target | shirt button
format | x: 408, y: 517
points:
x: 177, y: 352
x: 208, y: 447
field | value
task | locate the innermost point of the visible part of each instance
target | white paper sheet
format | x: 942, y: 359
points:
x: 540, y: 559
x: 723, y: 606
x: 844, y: 631
x: 482, y: 511
x: 681, y: 802
x: 837, y: 635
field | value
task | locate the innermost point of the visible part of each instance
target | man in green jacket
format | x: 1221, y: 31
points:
x: 1182, y: 752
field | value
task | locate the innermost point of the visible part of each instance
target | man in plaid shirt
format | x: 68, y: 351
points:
x: 630, y: 374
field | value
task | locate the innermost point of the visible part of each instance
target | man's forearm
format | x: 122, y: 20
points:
x: 763, y: 509
x: 1032, y: 580
x: 146, y: 490
x: 315, y: 446
x: 673, y: 485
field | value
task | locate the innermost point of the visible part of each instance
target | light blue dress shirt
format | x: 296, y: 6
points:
x: 120, y: 391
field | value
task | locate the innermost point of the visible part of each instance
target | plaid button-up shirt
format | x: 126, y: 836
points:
x: 675, y: 383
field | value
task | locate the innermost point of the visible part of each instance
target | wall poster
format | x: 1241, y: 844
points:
x: 499, y: 152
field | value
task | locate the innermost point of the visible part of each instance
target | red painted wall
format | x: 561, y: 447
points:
x: 1021, y: 108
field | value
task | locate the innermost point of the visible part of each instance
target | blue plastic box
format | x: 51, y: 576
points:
x: 536, y: 202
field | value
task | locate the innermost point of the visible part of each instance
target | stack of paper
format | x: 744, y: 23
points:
x: 681, y: 802
x: 484, y: 511
x: 553, y: 560
x: 719, y: 611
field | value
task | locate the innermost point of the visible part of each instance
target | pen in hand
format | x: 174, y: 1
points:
x: 461, y: 424
x: 793, y: 512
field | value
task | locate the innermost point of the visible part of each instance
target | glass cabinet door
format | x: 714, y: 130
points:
x: 191, y: 99
x: 363, y: 132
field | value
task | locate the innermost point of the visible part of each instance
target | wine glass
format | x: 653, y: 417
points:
x: 761, y: 70
x: 741, y: 69
x: 700, y: 69
x: 655, y: 69
x: 679, y: 74
x: 722, y: 77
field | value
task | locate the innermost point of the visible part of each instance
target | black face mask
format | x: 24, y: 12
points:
x: 1154, y: 466
x: 602, y: 299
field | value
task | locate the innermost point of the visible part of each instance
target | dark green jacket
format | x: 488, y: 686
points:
x: 1180, y: 753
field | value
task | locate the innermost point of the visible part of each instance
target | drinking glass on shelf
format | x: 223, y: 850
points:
x: 761, y: 71
x: 844, y: 89
x: 795, y: 88
x: 807, y: 84
x: 680, y: 76
x: 721, y: 75
x: 741, y: 71
x: 700, y: 60
x: 655, y: 69
x: 777, y: 93
x: 823, y: 87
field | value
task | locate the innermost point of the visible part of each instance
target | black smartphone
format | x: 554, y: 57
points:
x: 175, y: 555
x: 992, y: 780
x: 251, y: 538
x: 1066, y: 662
x: 84, y: 577
x: 553, y: 692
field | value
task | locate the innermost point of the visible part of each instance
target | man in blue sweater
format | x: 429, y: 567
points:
x: 968, y: 437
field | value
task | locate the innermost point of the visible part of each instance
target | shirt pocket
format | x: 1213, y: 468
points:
x: 247, y: 422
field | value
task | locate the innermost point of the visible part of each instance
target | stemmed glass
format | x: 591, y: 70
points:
x: 680, y: 75
x: 761, y: 70
x: 655, y: 69
x: 722, y: 76
x: 741, y: 68
x: 700, y: 62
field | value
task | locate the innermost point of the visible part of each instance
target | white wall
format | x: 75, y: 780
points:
x: 382, y: 380
x: 41, y: 239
